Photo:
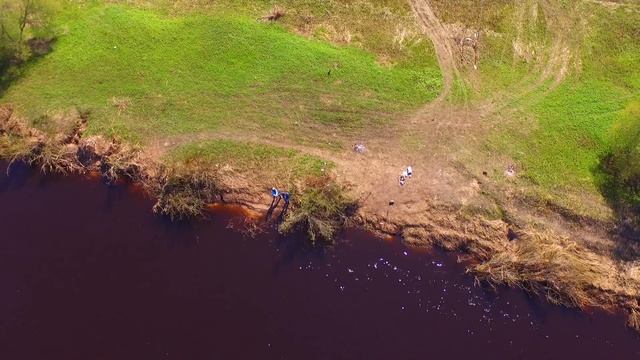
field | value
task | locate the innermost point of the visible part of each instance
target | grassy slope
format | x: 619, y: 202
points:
x: 193, y: 73
x: 574, y: 121
x: 274, y: 165
x: 496, y: 21
x: 557, y: 136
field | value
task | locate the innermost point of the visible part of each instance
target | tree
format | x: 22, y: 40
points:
x: 625, y: 154
x: 621, y: 183
x: 20, y: 21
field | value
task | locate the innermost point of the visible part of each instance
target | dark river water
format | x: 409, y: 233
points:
x: 87, y: 272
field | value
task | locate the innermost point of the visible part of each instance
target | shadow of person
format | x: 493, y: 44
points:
x: 272, y: 207
x: 283, y: 213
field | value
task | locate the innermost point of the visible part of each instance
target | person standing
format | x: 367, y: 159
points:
x: 285, y: 196
x: 275, y: 201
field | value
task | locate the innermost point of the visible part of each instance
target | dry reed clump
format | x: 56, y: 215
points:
x: 66, y: 151
x: 37, y: 149
x: 10, y: 124
x: 319, y: 210
x: 77, y: 127
x: 93, y: 149
x: 181, y: 194
x: 275, y: 14
x: 634, y: 317
x: 121, y: 162
x: 448, y: 227
x: 184, y: 195
x: 121, y: 103
x: 557, y: 268
x: 51, y: 158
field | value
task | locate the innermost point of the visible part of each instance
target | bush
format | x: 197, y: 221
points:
x: 623, y: 161
x: 185, y: 196
x: 319, y: 210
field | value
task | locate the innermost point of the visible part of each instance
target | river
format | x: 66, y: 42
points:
x: 87, y: 272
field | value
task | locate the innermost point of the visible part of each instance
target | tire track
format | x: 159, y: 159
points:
x: 441, y: 42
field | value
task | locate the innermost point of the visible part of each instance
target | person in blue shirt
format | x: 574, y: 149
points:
x: 275, y: 193
x: 285, y: 196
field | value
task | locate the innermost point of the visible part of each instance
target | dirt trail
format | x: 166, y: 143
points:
x: 555, y: 63
x: 373, y: 176
x: 440, y: 39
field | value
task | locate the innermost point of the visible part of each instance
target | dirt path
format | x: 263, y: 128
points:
x: 441, y: 42
x: 555, y: 63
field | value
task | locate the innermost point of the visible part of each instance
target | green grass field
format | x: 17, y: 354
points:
x: 278, y: 165
x: 559, y: 135
x: 575, y: 121
x: 146, y: 75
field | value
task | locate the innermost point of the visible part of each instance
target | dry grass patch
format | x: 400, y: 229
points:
x: 275, y: 14
x: 185, y: 194
x: 557, y: 268
x: 121, y: 104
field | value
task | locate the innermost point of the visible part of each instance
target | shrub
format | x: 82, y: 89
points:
x: 274, y: 14
x: 319, y: 210
x: 623, y: 161
x: 185, y: 196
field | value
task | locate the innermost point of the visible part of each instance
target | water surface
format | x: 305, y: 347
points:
x: 87, y: 272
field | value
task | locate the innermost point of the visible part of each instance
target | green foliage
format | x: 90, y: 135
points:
x: 20, y: 21
x: 386, y: 28
x: 570, y: 137
x: 623, y: 161
x: 319, y: 210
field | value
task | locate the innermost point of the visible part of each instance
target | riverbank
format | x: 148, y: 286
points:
x: 500, y: 251
x: 495, y: 178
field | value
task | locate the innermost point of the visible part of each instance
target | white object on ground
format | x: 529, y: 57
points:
x: 359, y: 148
